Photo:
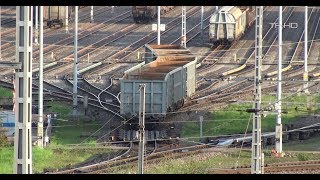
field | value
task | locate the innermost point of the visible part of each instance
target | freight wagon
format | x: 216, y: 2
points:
x: 7, y: 121
x: 56, y: 15
x: 144, y: 14
x: 169, y: 80
x: 230, y: 23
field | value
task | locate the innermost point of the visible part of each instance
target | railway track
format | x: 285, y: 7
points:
x: 86, y: 168
x: 292, y: 68
x: 63, y: 67
x: 48, y: 31
x: 153, y: 156
x: 240, y: 91
x: 300, y: 166
x: 48, y: 50
x: 245, y: 70
x: 236, y: 48
x: 269, y: 38
x: 61, y: 94
x: 292, y: 51
x: 108, y: 40
x: 112, y: 107
x: 206, y: 68
x: 128, y: 50
x: 84, y: 76
x: 295, y: 62
x: 224, y: 95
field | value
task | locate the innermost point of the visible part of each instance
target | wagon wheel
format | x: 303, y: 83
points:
x: 181, y: 103
x: 49, y: 24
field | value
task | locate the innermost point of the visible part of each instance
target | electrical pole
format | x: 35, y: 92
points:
x: 184, y: 27
x: 158, y: 27
x: 141, y: 127
x: 305, y: 75
x: 279, y: 89
x: 91, y: 14
x: 256, y: 130
x: 201, y: 24
x: 217, y: 7
x: 67, y: 19
x: 75, y: 70
x: 23, y: 93
x: 0, y: 34
x: 201, y: 120
x: 40, y: 109
x: 36, y: 26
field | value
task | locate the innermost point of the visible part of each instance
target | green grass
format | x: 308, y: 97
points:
x: 233, y: 119
x: 228, y: 121
x: 6, y: 159
x: 64, y: 134
x: 63, y: 110
x: 49, y: 158
x: 5, y: 93
x: 60, y: 153
x: 199, y: 164
x: 68, y: 130
x: 312, y: 144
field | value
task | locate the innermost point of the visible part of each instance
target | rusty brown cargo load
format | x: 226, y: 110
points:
x: 169, y: 78
x: 153, y: 51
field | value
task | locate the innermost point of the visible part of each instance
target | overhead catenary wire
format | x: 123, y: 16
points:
x: 239, y: 110
x: 225, y: 136
x: 245, y: 134
x: 70, y: 46
x: 98, y: 129
x: 164, y: 122
x: 129, y: 51
x: 199, y: 55
x: 196, y: 137
x: 219, y: 110
x: 123, y: 123
x: 174, y: 121
x: 214, y: 110
x: 133, y: 117
x: 197, y: 121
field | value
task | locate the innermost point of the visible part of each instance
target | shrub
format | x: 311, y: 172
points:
x: 303, y: 157
x: 3, y: 138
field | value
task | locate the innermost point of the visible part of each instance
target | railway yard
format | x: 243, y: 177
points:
x: 214, y: 81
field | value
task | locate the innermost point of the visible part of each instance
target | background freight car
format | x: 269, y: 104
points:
x: 144, y: 14
x: 7, y: 121
x: 169, y: 81
x: 56, y: 15
x: 230, y: 23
